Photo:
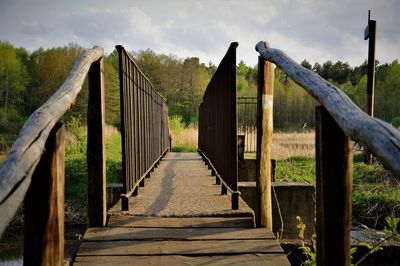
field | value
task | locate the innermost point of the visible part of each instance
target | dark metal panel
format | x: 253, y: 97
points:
x: 218, y: 122
x: 143, y: 113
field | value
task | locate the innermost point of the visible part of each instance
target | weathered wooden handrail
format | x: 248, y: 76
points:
x: 17, y: 169
x: 337, y: 122
x: 379, y: 137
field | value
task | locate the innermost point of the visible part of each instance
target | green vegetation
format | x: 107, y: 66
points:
x: 184, y: 138
x: 296, y: 169
x: 76, y: 166
x: 27, y: 79
x: 376, y: 193
x: 310, y: 252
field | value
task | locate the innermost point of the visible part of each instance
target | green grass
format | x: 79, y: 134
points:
x: 184, y: 149
x: 114, y: 158
x: 376, y: 193
x: 76, y: 168
x: 296, y: 169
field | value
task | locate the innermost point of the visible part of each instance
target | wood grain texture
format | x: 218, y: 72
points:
x: 379, y: 137
x: 96, y: 147
x: 156, y: 248
x: 264, y: 189
x: 44, y: 205
x: 137, y: 221
x: 243, y: 260
x: 121, y: 233
x: 334, y: 161
x: 16, y: 171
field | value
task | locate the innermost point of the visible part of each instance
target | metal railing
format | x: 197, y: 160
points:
x: 247, y: 122
x: 144, y: 126
x: 218, y: 125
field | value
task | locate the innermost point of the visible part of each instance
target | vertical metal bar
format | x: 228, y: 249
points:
x: 135, y: 121
x: 121, y: 60
x: 334, y: 191
x: 129, y: 123
x: 144, y: 124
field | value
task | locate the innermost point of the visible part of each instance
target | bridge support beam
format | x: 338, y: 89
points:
x: 334, y: 169
x: 44, y: 205
x: 96, y: 155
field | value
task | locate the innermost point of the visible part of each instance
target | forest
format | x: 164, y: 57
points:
x: 27, y: 79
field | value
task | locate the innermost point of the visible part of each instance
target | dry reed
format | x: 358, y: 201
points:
x: 288, y: 144
x: 185, y: 137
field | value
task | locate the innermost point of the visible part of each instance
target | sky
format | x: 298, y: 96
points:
x: 315, y: 30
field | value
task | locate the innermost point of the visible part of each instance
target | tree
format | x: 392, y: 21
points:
x: 13, y: 79
x: 306, y: 64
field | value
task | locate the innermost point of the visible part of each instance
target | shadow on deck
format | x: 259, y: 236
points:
x: 180, y: 217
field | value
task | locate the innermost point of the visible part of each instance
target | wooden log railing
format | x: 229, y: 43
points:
x: 337, y: 121
x: 36, y: 163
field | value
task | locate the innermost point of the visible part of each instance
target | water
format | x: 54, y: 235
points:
x: 12, y: 244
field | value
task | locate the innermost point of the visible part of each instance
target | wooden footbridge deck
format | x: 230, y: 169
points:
x: 200, y: 228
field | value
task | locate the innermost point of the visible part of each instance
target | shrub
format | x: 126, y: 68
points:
x: 176, y: 123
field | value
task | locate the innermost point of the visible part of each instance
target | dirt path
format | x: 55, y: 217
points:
x: 181, y: 186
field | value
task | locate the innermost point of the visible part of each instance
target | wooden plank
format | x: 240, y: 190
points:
x: 96, y: 146
x: 264, y: 182
x: 139, y: 221
x: 44, y: 205
x: 334, y: 171
x: 17, y: 168
x: 244, y: 260
x: 118, y: 233
x: 203, y: 247
x: 381, y: 138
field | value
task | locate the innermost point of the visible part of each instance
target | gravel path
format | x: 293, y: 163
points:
x: 181, y: 186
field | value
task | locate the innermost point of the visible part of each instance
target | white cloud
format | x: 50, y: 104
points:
x: 315, y: 30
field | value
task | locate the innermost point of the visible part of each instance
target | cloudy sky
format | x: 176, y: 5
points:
x: 315, y: 30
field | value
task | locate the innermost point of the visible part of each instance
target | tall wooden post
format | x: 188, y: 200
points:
x: 370, y: 34
x: 96, y: 158
x: 334, y: 167
x: 44, y: 205
x: 266, y: 88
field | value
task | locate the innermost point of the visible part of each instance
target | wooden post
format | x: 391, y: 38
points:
x: 371, y: 35
x: 44, y: 205
x: 266, y: 88
x: 334, y: 191
x: 96, y: 158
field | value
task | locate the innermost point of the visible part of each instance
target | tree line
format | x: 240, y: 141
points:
x: 27, y: 79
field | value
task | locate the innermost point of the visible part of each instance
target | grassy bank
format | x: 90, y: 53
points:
x: 76, y: 168
x: 376, y: 193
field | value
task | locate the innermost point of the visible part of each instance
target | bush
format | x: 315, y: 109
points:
x: 176, y: 123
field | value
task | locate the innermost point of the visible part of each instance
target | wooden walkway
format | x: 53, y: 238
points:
x: 200, y: 238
